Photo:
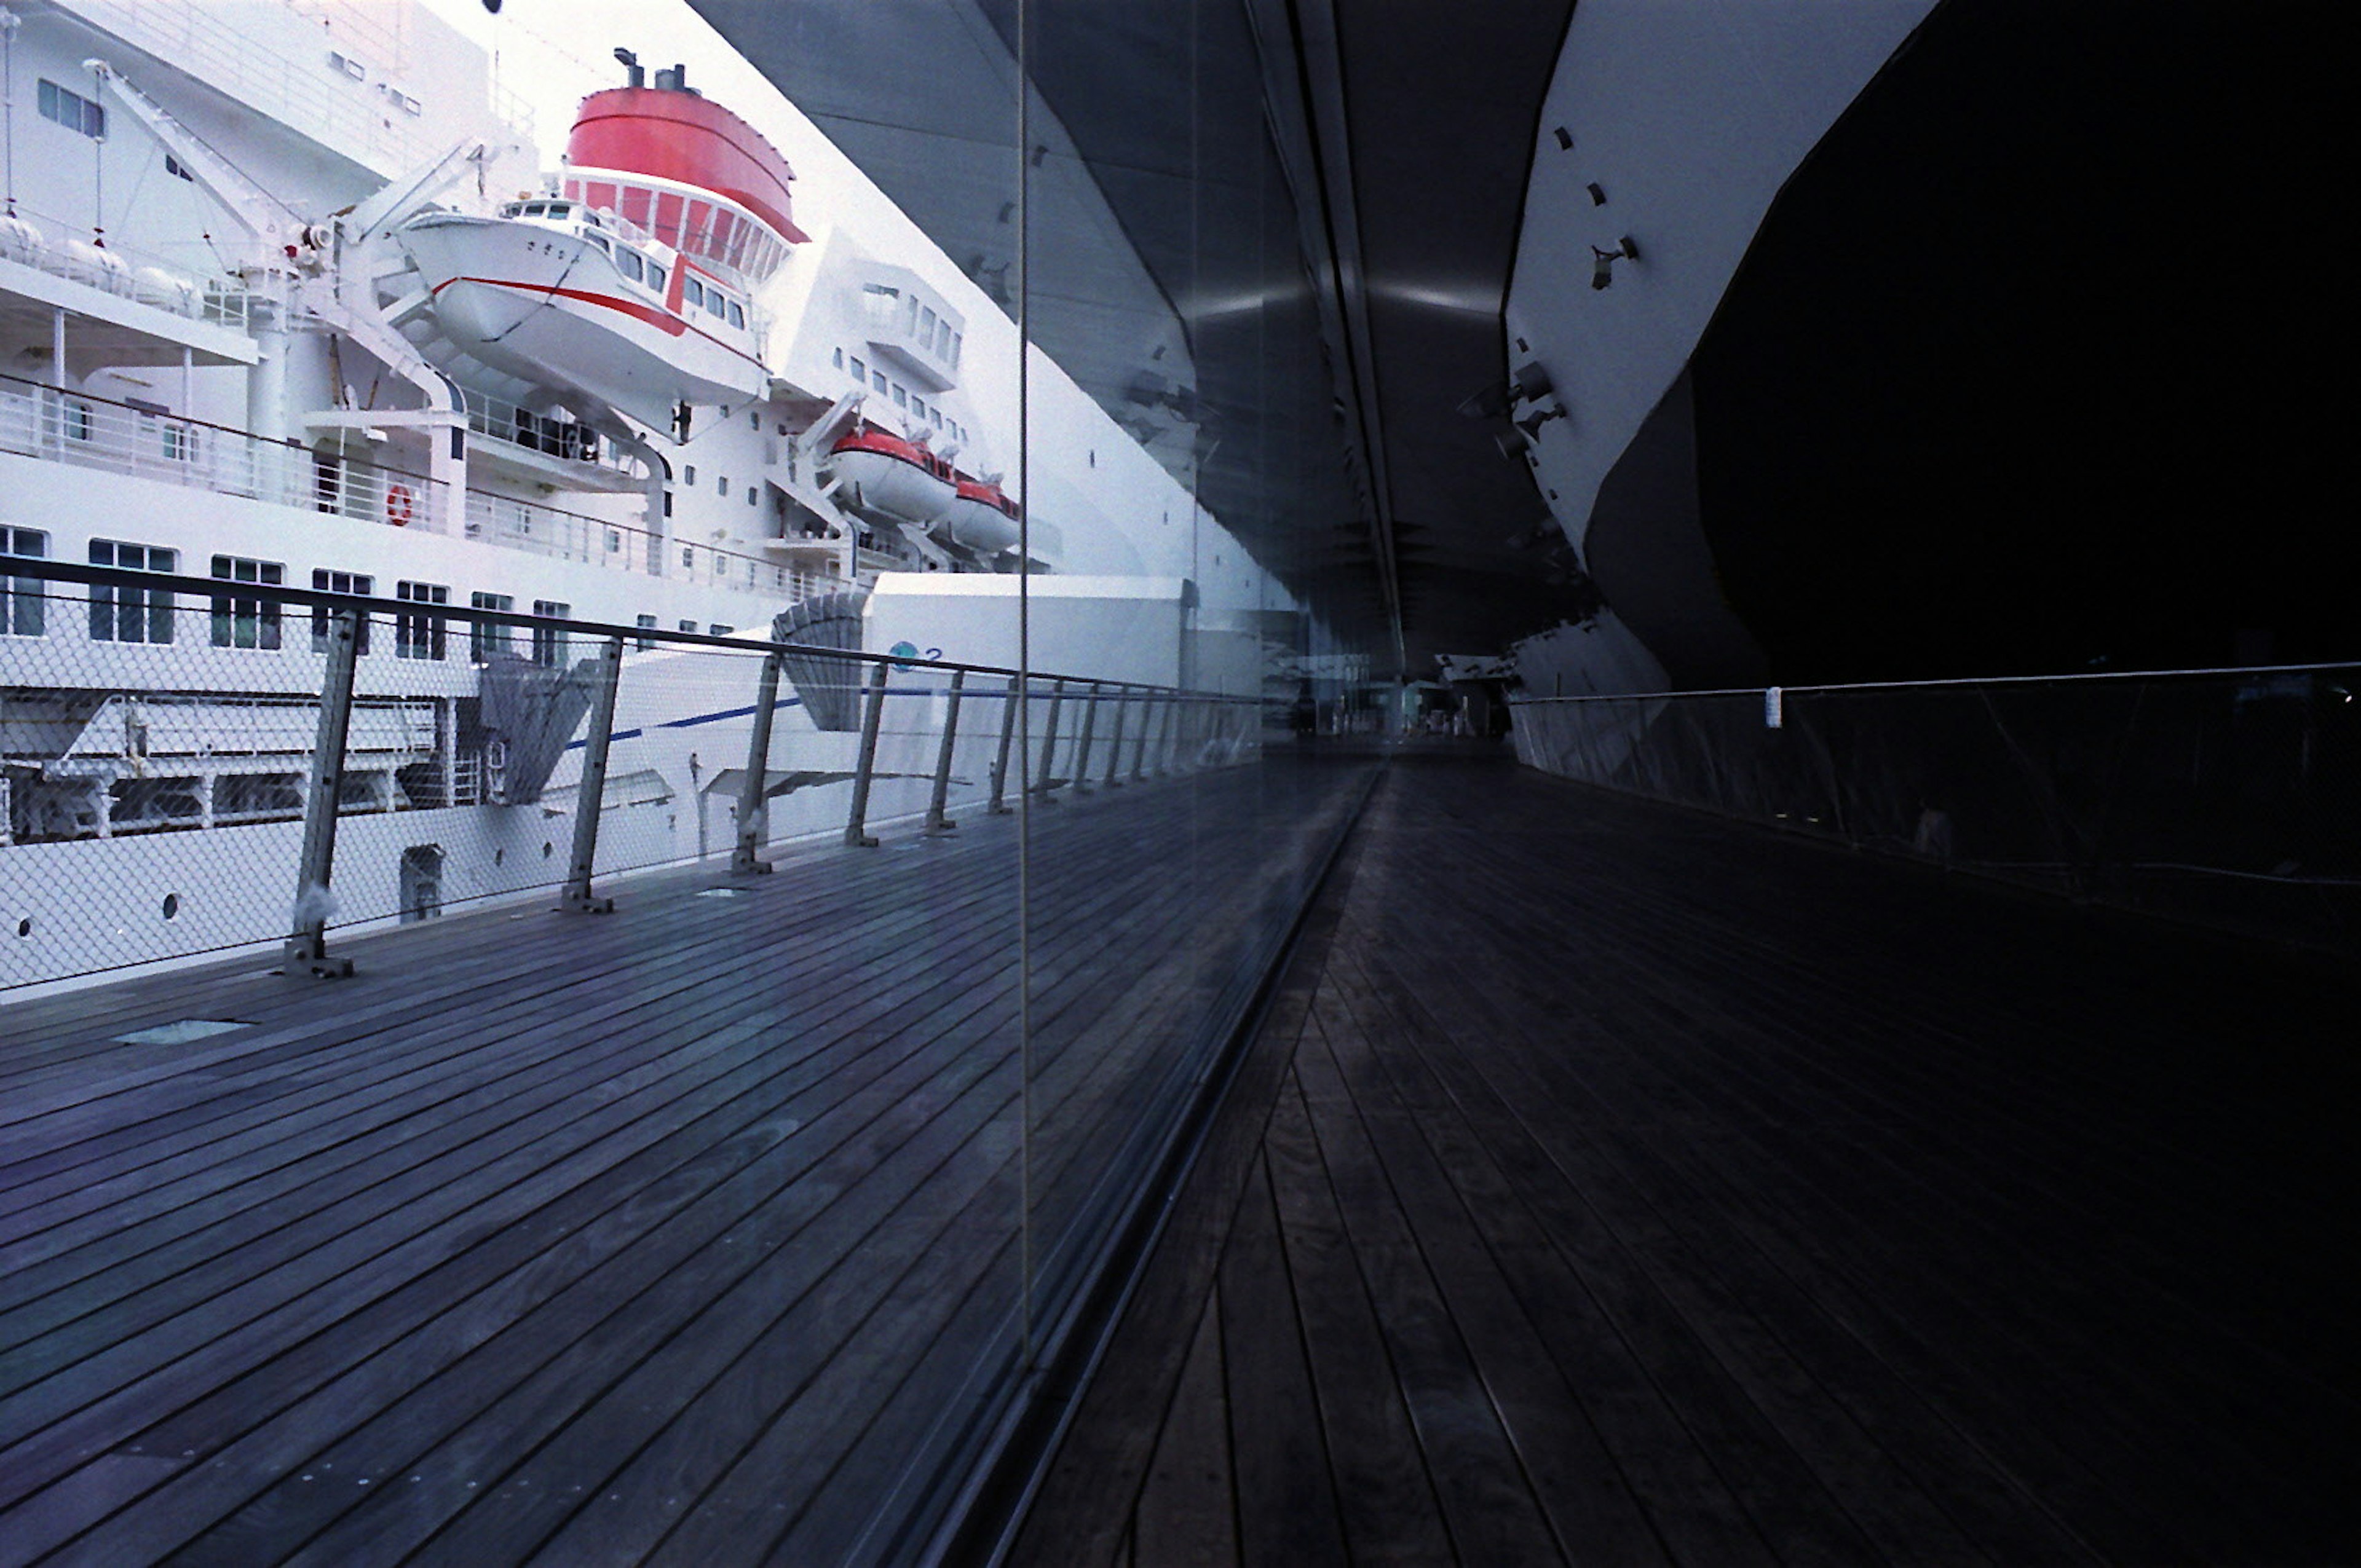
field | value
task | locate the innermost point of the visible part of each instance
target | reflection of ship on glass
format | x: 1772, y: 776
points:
x: 285, y: 316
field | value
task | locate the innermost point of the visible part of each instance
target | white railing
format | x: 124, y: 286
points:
x: 87, y: 431
x: 63, y: 250
x: 359, y: 120
x: 497, y: 419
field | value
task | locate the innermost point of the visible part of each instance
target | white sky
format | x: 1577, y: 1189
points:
x: 551, y: 52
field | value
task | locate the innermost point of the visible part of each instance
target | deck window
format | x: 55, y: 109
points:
x: 549, y: 643
x: 420, y: 636
x: 130, y: 614
x: 715, y: 304
x: 245, y: 621
x: 737, y: 314
x: 692, y: 291
x: 328, y: 582
x: 877, y: 380
x: 646, y: 623
x: 655, y: 277
x: 485, y: 637
x: 72, y: 111
x: 23, y: 599
x: 860, y: 370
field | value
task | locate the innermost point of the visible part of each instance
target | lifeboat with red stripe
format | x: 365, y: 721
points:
x: 982, y: 518
x: 634, y: 287
x: 882, y: 473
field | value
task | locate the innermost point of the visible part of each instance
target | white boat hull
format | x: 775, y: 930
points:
x: 981, y: 528
x: 550, y: 308
x: 902, y: 491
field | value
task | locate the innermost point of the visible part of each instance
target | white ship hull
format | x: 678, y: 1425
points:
x: 551, y: 308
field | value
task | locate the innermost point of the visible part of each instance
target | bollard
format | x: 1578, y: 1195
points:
x: 589, y: 799
x: 937, y: 823
x: 855, y: 836
x: 1049, y: 741
x: 1114, y: 747
x: 753, y: 794
x: 1008, y: 713
x: 1083, y: 759
x: 307, y: 949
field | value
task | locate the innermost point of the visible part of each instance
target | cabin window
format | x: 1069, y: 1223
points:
x: 837, y: 359
x: 484, y: 638
x: 72, y: 111
x: 926, y: 326
x: 688, y: 626
x: 718, y: 629
x: 693, y: 291
x: 860, y: 370
x: 655, y: 277
x: 597, y: 239
x: 628, y: 262
x: 22, y: 605
x: 957, y: 342
x: 340, y: 583
x: 129, y: 614
x: 242, y: 621
x: 549, y: 641
x: 688, y: 561
x: 737, y: 314
x: 937, y: 416
x: 901, y: 397
x: 646, y: 624
x: 750, y: 495
x: 877, y: 379
x: 755, y: 419
x: 420, y: 636
x: 689, y: 474
x: 715, y: 304
x: 721, y: 485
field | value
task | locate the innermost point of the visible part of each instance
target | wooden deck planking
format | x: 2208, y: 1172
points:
x: 454, y: 1258
x: 1820, y: 1209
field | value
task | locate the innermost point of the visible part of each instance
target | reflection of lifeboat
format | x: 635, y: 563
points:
x: 552, y: 294
x: 982, y: 518
x: 899, y: 478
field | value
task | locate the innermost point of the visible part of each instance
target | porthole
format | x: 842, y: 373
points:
x: 24, y: 927
x: 171, y: 907
x: 498, y: 856
x: 544, y: 850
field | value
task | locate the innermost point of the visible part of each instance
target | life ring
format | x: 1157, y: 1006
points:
x: 399, y: 505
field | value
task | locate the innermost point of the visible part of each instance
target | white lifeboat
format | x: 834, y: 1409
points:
x: 982, y: 517
x: 898, y: 479
x: 551, y: 292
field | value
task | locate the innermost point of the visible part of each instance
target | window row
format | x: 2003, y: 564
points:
x: 869, y: 379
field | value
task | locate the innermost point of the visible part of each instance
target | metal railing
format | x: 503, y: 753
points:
x: 90, y: 432
x: 63, y: 250
x: 86, y: 431
x: 2227, y: 796
x: 167, y: 740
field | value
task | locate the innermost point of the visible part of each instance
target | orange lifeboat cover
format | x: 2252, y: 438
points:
x: 679, y: 136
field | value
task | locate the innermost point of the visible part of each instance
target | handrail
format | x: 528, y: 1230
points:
x: 47, y: 570
x: 2072, y: 675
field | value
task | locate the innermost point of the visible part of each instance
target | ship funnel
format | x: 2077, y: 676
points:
x: 634, y: 75
x: 676, y: 80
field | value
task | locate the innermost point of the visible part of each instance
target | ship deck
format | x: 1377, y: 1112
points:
x: 1616, y: 1184
x: 673, y: 1234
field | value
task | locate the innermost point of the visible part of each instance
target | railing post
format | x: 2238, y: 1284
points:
x: 1114, y: 746
x: 1049, y: 741
x: 1083, y: 758
x: 753, y: 791
x: 589, y: 799
x: 1008, y: 712
x: 307, y: 949
x: 1164, y: 733
x: 1139, y: 755
x: 937, y: 823
x: 855, y: 834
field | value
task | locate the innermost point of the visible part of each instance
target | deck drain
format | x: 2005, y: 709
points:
x: 180, y: 1033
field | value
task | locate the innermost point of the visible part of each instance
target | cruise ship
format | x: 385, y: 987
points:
x: 288, y: 301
